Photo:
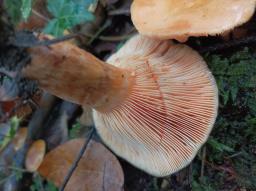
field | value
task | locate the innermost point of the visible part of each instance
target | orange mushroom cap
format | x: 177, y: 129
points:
x: 170, y: 109
x: 179, y: 19
x: 35, y: 155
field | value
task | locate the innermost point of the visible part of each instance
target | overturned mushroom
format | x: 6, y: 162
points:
x: 154, y: 104
x: 172, y: 19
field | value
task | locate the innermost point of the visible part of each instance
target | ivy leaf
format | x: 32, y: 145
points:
x: 67, y: 13
x: 39, y: 184
x: 26, y: 8
x: 53, y: 28
x: 9, y: 132
x: 13, y: 9
x: 18, y: 9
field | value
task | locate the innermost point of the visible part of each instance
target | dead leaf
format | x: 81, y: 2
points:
x: 98, y: 169
x: 18, y: 107
x: 7, y: 106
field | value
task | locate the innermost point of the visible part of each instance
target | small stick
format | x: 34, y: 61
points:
x: 100, y: 30
x: 119, y: 12
x: 45, y: 42
x: 40, y: 15
x: 75, y: 163
x: 203, y: 162
x: 226, y: 45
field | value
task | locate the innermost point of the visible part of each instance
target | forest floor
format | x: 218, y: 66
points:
x: 227, y: 162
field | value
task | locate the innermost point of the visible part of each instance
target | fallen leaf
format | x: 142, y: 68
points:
x: 8, y: 131
x: 7, y: 106
x: 98, y: 169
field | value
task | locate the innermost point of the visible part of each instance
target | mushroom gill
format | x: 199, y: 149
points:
x: 170, y: 110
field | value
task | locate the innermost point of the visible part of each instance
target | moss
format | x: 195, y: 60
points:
x: 231, y: 149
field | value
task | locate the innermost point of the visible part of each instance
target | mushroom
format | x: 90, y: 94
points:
x: 35, y: 155
x: 179, y: 19
x: 154, y: 102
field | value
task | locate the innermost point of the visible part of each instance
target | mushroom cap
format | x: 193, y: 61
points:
x: 172, y: 19
x: 170, y: 110
x: 35, y: 155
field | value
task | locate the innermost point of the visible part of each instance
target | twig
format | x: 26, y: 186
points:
x: 9, y: 74
x: 116, y: 38
x: 40, y: 15
x: 2, y: 181
x: 235, y: 155
x: 231, y: 44
x: 29, y: 44
x: 119, y: 12
x: 112, y: 38
x: 14, y: 168
x: 100, y: 30
x: 75, y: 163
x: 203, y: 162
x: 126, y: 36
x: 45, y: 42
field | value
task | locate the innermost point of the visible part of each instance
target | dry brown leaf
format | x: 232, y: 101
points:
x: 98, y: 169
x: 7, y: 106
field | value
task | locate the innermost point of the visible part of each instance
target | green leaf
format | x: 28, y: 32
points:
x: 53, y: 28
x: 219, y: 146
x: 55, y: 6
x: 14, y: 124
x: 26, y: 9
x: 75, y: 130
x: 13, y: 9
x: 234, y: 92
x: 38, y: 184
x: 50, y: 187
x: 67, y: 14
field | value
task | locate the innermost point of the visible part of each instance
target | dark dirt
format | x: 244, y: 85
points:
x: 13, y: 58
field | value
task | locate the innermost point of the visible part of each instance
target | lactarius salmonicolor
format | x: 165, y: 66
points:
x: 179, y: 19
x: 154, y: 103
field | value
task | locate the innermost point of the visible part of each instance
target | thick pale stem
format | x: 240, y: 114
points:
x: 75, y: 75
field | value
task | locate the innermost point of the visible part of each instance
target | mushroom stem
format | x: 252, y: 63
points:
x: 75, y: 75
